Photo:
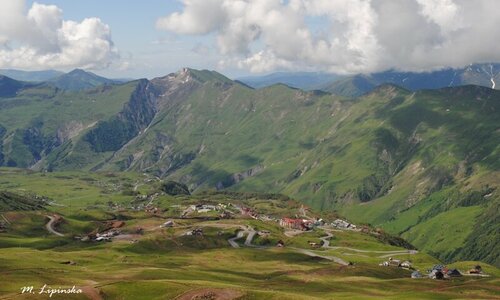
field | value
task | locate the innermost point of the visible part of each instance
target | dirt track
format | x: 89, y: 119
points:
x: 211, y: 293
x: 50, y: 224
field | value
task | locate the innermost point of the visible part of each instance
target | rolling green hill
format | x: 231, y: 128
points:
x: 412, y: 163
x: 13, y: 202
x: 78, y: 80
x: 9, y: 87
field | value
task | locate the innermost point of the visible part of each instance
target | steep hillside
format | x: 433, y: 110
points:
x: 40, y: 122
x: 406, y: 161
x: 9, y: 87
x: 78, y: 80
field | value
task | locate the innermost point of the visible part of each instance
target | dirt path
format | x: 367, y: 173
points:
x: 91, y: 292
x: 409, y: 252
x: 328, y: 257
x: 329, y: 235
x: 50, y: 224
x: 211, y: 293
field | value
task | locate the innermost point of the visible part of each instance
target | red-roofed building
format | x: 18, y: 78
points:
x: 299, y: 224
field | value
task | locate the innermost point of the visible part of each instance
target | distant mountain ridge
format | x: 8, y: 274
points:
x: 74, y: 80
x: 301, y: 80
x: 31, y: 76
x: 487, y: 75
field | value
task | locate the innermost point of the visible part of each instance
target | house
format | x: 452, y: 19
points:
x: 280, y: 244
x: 436, y: 274
x: 416, y: 274
x: 454, y: 273
x: 394, y: 262
x: 298, y: 224
x: 264, y: 233
x: 225, y: 215
x: 313, y: 244
x: 319, y: 222
x: 169, y: 223
x: 342, y: 224
x: 406, y: 264
x: 245, y: 211
x: 197, y: 231
x: 476, y: 270
x: 391, y: 262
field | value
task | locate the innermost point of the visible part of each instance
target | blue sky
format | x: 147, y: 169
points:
x: 152, y: 52
x: 138, y: 38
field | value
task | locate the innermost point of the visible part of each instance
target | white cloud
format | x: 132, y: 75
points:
x: 358, y: 36
x: 41, y: 39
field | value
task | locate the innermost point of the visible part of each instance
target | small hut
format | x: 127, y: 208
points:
x: 416, y: 274
x: 436, y: 274
x: 454, y: 273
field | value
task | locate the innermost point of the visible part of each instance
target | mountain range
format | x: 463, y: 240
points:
x: 424, y: 164
x: 32, y: 76
x: 300, y: 80
x: 75, y: 80
x: 356, y: 85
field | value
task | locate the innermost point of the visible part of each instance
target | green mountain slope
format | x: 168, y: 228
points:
x: 13, y: 202
x: 9, y: 87
x: 78, y: 80
x: 405, y: 161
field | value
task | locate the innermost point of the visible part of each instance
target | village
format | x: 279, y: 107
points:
x: 204, y: 214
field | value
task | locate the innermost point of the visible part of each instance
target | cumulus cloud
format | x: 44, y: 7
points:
x: 354, y: 35
x: 40, y: 38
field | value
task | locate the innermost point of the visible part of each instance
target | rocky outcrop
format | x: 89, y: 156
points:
x: 113, y: 134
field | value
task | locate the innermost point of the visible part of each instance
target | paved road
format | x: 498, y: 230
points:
x: 326, y: 239
x: 50, y: 226
x: 251, y: 233
x: 232, y: 241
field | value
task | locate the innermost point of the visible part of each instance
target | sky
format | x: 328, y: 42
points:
x: 149, y: 38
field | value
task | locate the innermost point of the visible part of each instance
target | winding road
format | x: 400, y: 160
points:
x: 232, y: 241
x: 50, y: 225
x: 250, y: 232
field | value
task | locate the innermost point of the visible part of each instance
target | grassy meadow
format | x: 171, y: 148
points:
x: 165, y: 263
